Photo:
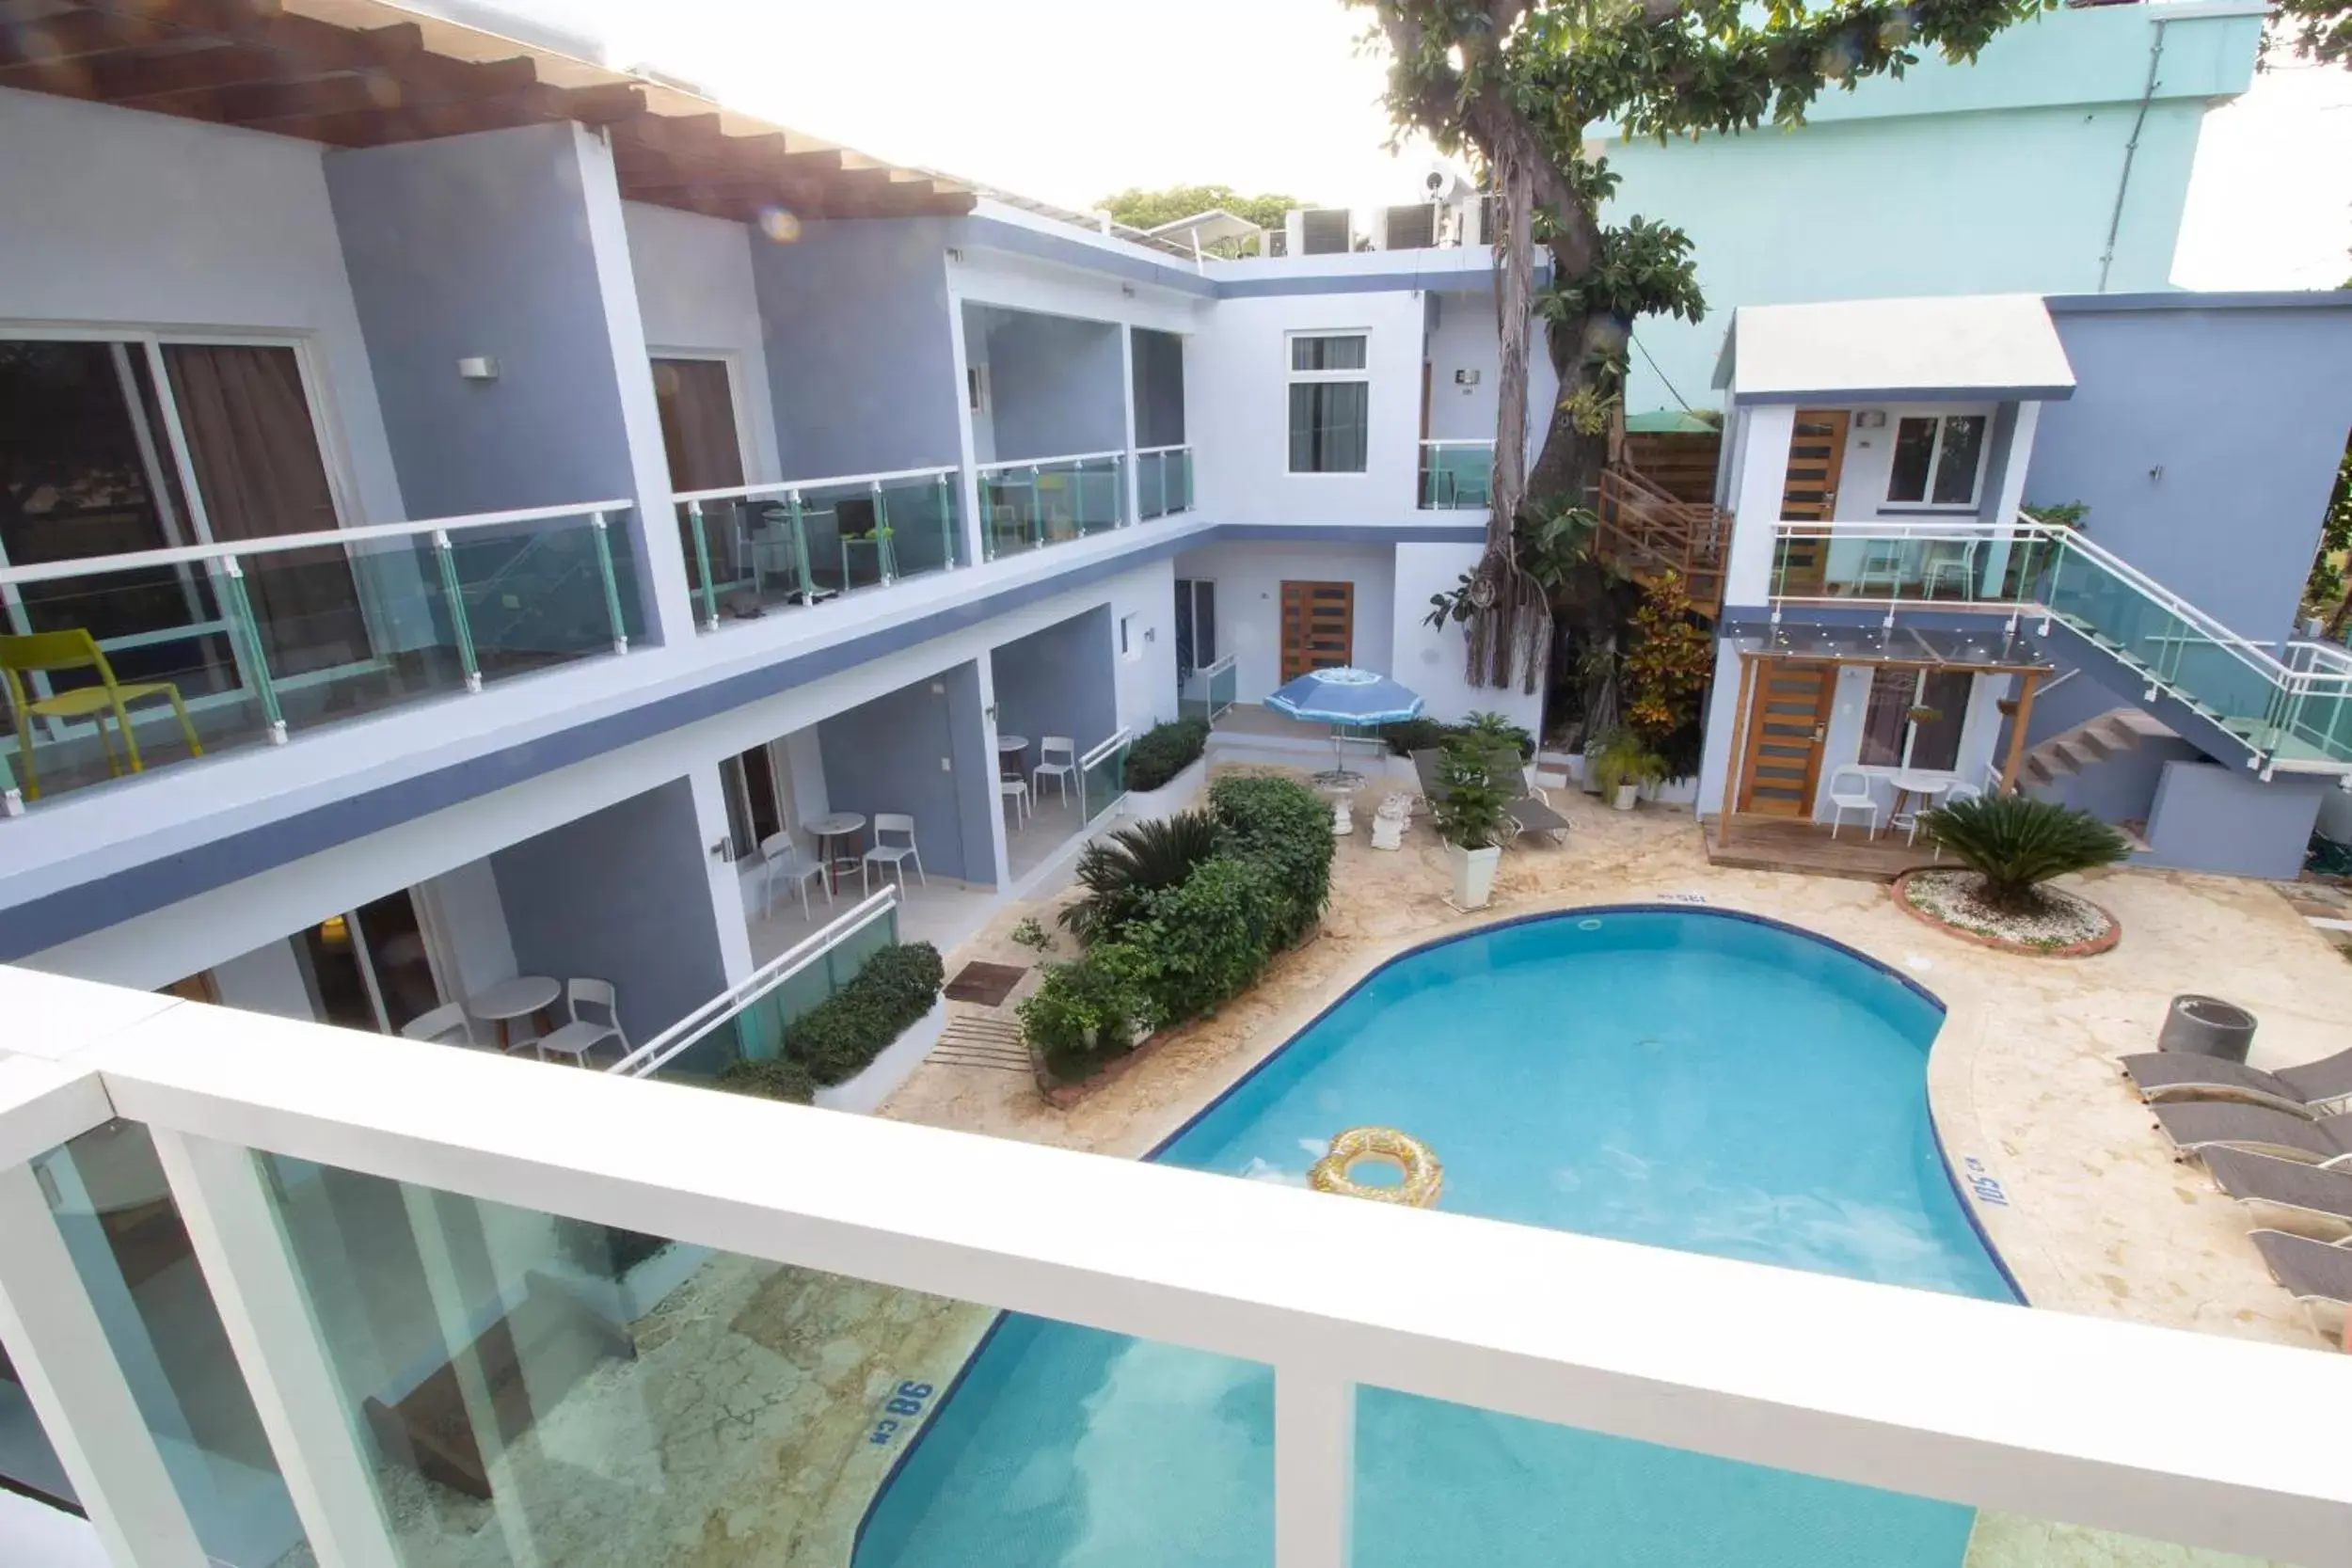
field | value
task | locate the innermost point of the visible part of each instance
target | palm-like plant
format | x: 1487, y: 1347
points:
x: 2016, y: 843
x: 1120, y: 873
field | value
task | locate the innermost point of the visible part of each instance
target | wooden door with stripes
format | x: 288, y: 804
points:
x: 1786, y: 721
x: 1318, y: 627
x: 1817, y: 459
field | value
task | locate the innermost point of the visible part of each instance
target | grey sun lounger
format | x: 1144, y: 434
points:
x: 2310, y: 1200
x: 1530, y: 812
x: 2196, y: 1125
x: 2316, y: 1274
x: 2307, y: 1090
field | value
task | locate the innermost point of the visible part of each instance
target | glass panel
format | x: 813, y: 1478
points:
x: 923, y: 525
x: 1956, y: 465
x: 1102, y: 785
x: 1328, y: 354
x: 333, y: 972
x: 1884, y: 720
x: 1009, y: 509
x: 132, y: 1255
x: 1915, y: 452
x: 1224, y: 689
x: 396, y: 952
x: 1456, y: 476
x: 758, y: 1030
x: 1935, y: 741
x: 1328, y: 426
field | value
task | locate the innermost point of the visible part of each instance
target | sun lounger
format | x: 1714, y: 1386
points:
x: 2289, y: 1195
x: 1532, y: 812
x: 2308, y: 1090
x: 2316, y: 1274
x: 2196, y: 1125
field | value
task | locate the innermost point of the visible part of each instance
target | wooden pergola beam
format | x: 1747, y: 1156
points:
x: 1734, y: 773
x: 2030, y: 682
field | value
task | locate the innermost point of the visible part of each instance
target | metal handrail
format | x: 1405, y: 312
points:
x: 668, y: 1044
x: 1047, y: 462
x: 786, y: 486
x: 1154, y: 452
x: 181, y: 555
x: 1118, y: 737
x: 1460, y: 441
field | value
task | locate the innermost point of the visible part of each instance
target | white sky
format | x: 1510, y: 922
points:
x: 1070, y: 100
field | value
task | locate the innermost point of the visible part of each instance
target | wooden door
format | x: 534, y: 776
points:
x: 1786, y: 720
x: 1318, y: 627
x: 1816, y: 458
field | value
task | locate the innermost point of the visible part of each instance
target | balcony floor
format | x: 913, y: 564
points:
x: 942, y: 914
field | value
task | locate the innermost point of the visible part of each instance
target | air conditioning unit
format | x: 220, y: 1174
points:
x: 1413, y: 228
x: 1323, y: 232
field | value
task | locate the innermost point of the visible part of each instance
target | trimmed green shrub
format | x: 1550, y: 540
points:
x: 841, y: 1037
x: 1427, y: 735
x: 1201, y: 942
x: 780, y: 1079
x: 1085, y: 1012
x: 1493, y: 726
x: 1478, y: 778
x: 1413, y: 735
x: 2016, y: 843
x: 1121, y: 872
x: 1285, y: 827
x: 1165, y: 750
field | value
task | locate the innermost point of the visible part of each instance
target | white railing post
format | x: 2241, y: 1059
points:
x: 78, y: 1389
x: 1314, y: 1467
x: 279, y: 1347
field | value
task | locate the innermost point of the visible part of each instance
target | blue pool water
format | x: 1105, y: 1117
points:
x: 1687, y: 1079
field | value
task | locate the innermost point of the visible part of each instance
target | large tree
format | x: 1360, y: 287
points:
x: 1517, y: 85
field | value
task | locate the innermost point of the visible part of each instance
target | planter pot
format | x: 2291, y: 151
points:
x: 1473, y: 874
x: 1171, y: 797
x: 894, y: 1067
x: 1625, y: 797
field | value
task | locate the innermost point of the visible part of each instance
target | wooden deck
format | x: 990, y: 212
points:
x: 1779, y: 844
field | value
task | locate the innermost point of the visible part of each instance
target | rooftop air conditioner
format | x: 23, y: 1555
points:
x: 1323, y: 231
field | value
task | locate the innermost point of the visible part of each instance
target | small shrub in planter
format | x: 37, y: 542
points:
x: 2016, y: 843
x: 1165, y: 750
x: 780, y: 1079
x: 840, y: 1038
x: 1478, y: 779
x: 1084, y: 1014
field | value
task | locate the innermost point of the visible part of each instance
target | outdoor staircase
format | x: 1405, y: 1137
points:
x: 1646, y: 531
x: 2093, y: 741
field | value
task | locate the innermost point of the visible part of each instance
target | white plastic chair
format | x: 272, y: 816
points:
x: 1951, y: 796
x: 1850, y: 790
x: 1063, y: 771
x: 447, y: 1024
x: 893, y: 855
x: 583, y: 1034
x: 781, y: 858
x: 1011, y: 787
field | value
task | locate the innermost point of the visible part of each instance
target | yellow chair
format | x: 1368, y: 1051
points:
x: 78, y: 650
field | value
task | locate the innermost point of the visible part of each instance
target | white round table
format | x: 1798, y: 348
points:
x: 1908, y: 781
x: 1015, y: 747
x: 841, y: 823
x: 524, y: 996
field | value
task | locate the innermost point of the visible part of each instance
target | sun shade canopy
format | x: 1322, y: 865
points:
x: 1977, y: 348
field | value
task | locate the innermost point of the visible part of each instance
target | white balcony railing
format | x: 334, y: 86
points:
x: 753, y: 548
x: 1028, y: 503
x: 1456, y: 475
x: 2097, y: 1422
x: 1163, y: 482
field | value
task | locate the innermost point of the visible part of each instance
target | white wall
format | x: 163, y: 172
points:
x: 1237, y: 409
x: 1147, y: 678
x: 1249, y: 581
x: 266, y: 981
x: 1431, y: 660
x: 694, y: 289
x: 134, y: 219
x: 473, y: 950
x: 1462, y: 337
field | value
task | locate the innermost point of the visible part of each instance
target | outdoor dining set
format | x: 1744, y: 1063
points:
x: 520, y: 1014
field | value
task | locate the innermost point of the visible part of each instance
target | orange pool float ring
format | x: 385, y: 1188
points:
x: 1424, y: 1176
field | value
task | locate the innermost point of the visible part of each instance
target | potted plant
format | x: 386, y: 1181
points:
x: 1621, y: 764
x: 1924, y: 715
x: 1478, y: 778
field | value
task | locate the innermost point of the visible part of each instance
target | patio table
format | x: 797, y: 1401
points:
x: 524, y: 996
x: 840, y: 825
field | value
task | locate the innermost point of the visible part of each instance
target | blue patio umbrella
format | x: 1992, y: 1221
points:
x: 1345, y: 698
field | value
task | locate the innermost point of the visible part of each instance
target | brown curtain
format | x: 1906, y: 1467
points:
x: 698, y: 431
x: 258, y: 469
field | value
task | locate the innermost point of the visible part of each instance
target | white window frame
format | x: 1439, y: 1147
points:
x: 1293, y: 376
x: 1911, y: 730
x: 1895, y: 418
x: 1131, y: 636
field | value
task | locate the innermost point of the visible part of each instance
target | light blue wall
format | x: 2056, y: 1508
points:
x: 2204, y: 441
x: 861, y: 365
x: 621, y: 894
x: 1996, y: 178
x: 1058, y: 681
x: 1056, y: 385
x: 2209, y: 817
x: 885, y: 756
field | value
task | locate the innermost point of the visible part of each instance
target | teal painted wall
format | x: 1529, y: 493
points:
x: 1994, y: 178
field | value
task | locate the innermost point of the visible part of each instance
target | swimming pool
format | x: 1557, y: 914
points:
x: 1686, y: 1079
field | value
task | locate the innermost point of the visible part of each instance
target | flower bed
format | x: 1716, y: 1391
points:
x: 2059, y: 926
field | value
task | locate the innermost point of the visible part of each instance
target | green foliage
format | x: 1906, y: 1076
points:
x: 1165, y: 750
x: 2058, y: 513
x: 1621, y: 757
x: 1142, y: 209
x: 1667, y: 666
x: 837, y: 1039
x: 780, y: 1079
x: 1428, y: 734
x: 2016, y: 843
x: 1031, y: 935
x: 1206, y: 939
x: 2326, y: 593
x: 1643, y: 269
x: 1085, y: 1012
x: 1287, y: 826
x: 1478, y: 775
x: 1121, y: 872
x: 2320, y: 31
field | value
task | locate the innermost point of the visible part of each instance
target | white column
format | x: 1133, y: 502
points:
x: 1127, y: 397
x: 726, y: 878
x: 1769, y: 429
x: 78, y: 1389
x: 997, y: 834
x: 327, y: 1468
x: 1314, y: 1468
x: 2012, y: 493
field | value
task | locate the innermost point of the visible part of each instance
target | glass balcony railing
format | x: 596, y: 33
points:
x: 764, y: 547
x: 1103, y: 776
x: 1209, y: 691
x: 747, y: 1022
x: 1456, y: 475
x: 1949, y: 564
x: 1163, y: 482
x: 1030, y: 504
x: 119, y: 664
